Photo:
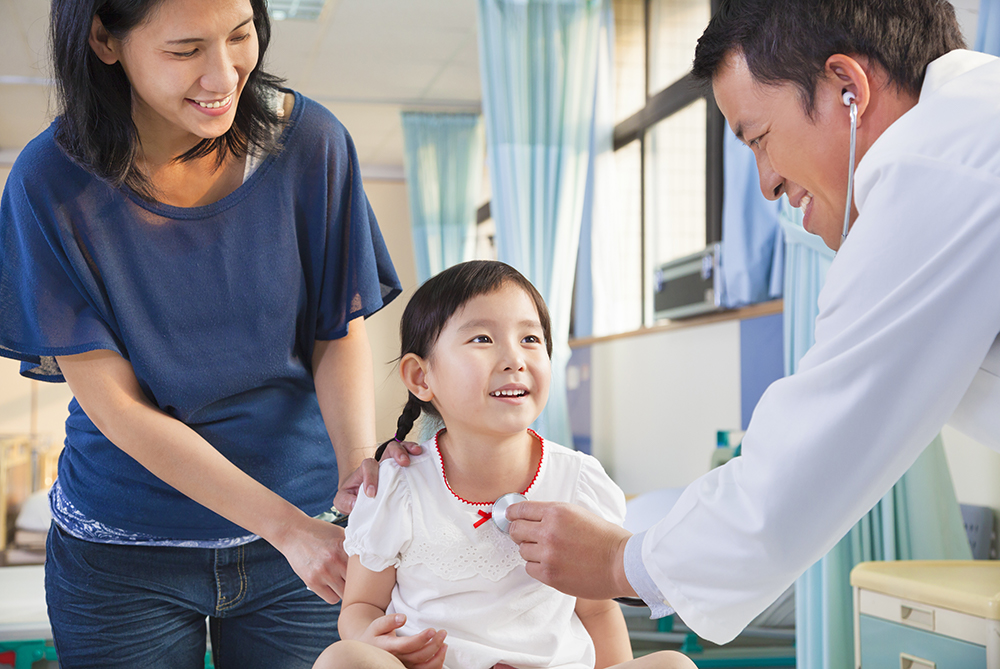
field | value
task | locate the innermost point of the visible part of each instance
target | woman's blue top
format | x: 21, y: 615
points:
x: 217, y: 308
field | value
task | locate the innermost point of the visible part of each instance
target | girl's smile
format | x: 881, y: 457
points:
x: 488, y: 374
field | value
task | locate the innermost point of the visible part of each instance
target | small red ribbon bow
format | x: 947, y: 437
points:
x: 486, y: 515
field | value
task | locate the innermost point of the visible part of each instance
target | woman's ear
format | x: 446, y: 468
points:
x: 413, y: 371
x: 845, y: 75
x: 103, y: 44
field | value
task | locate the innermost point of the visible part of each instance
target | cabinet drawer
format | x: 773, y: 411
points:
x: 882, y: 642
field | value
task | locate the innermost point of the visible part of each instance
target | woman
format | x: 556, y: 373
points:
x: 191, y: 249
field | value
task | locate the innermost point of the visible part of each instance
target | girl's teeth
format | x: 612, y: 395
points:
x: 508, y: 393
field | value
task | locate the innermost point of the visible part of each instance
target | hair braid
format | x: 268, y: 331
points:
x: 411, y: 412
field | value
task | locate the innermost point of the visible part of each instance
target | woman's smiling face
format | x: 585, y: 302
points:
x: 188, y: 64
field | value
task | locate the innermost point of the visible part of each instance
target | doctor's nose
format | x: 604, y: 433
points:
x: 772, y: 185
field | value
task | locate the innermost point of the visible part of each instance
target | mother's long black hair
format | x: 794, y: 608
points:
x: 433, y: 304
x: 95, y: 126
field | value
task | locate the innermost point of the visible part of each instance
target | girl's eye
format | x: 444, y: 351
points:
x: 532, y: 339
x: 481, y: 339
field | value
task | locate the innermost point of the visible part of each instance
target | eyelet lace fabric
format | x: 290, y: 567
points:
x: 450, y: 555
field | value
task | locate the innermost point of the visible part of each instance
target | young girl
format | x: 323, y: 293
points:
x: 432, y: 580
x: 190, y: 248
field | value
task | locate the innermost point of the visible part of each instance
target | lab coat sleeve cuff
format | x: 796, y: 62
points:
x: 641, y: 582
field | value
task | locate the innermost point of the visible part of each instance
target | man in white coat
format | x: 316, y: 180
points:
x: 906, y: 337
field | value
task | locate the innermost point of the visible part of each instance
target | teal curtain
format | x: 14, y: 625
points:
x: 444, y: 174
x: 538, y: 61
x: 988, y: 29
x: 919, y: 519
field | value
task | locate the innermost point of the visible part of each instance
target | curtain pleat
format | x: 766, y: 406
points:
x: 444, y: 174
x: 538, y: 64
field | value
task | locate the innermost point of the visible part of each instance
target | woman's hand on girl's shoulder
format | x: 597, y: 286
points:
x: 425, y: 650
x: 366, y: 476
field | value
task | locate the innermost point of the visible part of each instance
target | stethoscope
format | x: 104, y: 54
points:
x: 849, y: 101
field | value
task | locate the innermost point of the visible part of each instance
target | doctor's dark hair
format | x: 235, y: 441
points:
x: 790, y: 40
x: 95, y: 126
x: 437, y: 300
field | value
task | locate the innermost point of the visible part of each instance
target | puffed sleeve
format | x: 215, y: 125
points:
x: 381, y: 527
x: 598, y: 493
x: 50, y: 302
x: 358, y: 277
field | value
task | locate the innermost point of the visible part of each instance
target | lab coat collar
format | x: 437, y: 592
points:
x: 951, y: 65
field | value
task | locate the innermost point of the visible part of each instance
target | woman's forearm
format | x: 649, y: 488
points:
x: 345, y: 388
x: 106, y: 387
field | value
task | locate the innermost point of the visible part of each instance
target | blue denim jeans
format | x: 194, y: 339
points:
x: 145, y: 606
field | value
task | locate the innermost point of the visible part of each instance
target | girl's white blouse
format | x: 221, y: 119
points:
x: 471, y: 580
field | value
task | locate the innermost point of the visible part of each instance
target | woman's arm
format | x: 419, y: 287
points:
x: 345, y: 388
x: 363, y: 618
x: 106, y: 387
x: 605, y: 623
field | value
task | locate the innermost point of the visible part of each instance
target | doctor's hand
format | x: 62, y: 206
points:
x: 366, y: 476
x: 571, y: 549
x: 315, y: 550
x: 425, y: 650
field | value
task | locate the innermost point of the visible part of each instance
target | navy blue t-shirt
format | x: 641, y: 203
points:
x: 217, y: 308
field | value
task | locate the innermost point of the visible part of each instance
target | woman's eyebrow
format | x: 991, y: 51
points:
x: 189, y: 40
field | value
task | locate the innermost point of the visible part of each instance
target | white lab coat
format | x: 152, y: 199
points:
x: 909, y: 313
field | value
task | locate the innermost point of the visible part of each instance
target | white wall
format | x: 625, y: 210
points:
x: 658, y: 399
x: 389, y: 201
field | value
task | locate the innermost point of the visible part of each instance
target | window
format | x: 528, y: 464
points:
x: 678, y: 132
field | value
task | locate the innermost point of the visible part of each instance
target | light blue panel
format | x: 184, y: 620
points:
x: 579, y: 372
x: 882, y: 642
x: 761, y: 359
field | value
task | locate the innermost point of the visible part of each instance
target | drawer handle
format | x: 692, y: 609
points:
x: 907, y: 661
x: 911, y: 615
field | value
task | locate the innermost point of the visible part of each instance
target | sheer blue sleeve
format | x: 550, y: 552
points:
x: 47, y: 305
x: 358, y: 277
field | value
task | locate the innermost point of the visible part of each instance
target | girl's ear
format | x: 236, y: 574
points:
x: 413, y: 370
x: 102, y: 42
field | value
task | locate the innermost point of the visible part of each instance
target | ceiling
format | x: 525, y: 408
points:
x: 366, y: 60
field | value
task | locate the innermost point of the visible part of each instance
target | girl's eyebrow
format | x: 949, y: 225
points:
x: 487, y: 322
x: 189, y: 40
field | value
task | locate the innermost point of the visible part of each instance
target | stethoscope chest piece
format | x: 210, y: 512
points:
x: 500, y: 509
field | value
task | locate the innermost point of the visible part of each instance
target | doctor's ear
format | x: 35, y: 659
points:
x: 413, y: 371
x: 102, y: 42
x: 848, y: 79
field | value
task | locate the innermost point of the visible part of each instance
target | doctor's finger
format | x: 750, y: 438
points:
x: 534, y: 511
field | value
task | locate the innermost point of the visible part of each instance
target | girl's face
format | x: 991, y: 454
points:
x: 488, y: 373
x: 188, y: 64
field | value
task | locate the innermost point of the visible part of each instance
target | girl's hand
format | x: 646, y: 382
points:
x: 366, y: 476
x: 420, y: 651
x: 315, y: 550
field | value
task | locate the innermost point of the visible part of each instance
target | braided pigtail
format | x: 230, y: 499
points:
x: 411, y: 412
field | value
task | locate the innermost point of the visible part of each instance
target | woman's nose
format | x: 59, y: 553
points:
x: 220, y: 75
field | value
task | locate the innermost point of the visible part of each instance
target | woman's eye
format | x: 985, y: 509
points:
x: 242, y: 38
x: 185, y: 54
